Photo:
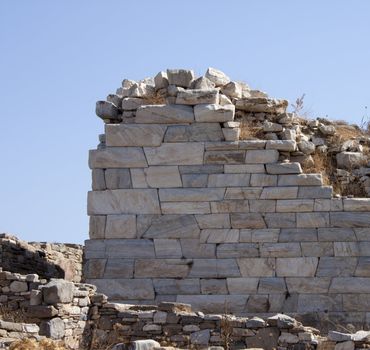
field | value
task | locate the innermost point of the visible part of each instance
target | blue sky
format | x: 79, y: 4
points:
x: 58, y: 57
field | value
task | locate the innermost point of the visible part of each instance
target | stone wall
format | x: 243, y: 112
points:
x: 182, y: 210
x: 49, y: 260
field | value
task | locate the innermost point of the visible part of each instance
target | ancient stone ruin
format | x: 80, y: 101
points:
x: 198, y: 196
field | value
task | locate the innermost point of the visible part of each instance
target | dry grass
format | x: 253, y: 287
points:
x: 10, y: 315
x: 249, y: 130
x: 32, y: 344
x: 158, y: 98
x: 347, y: 132
x: 323, y: 164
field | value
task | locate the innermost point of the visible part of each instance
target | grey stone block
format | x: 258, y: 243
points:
x: 228, y: 180
x: 247, y: 220
x: 129, y: 248
x: 308, y: 303
x: 120, y: 226
x: 118, y: 268
x: 313, y: 220
x: 213, y: 221
x: 224, y: 157
x: 294, y: 205
x: 279, y: 193
x: 336, y: 234
x: 117, y: 178
x: 180, y: 77
x: 219, y: 236
x: 97, y: 226
x: 214, y: 268
x: 213, y: 286
x: 164, y: 114
x: 244, y: 168
x: 315, y: 192
x: 280, y: 220
x: 284, y: 168
x: 185, y: 208
x: 161, y: 268
x: 280, y: 250
x: 161, y: 176
x: 201, y: 169
x: 194, y: 180
x: 363, y: 267
x: 356, y: 204
x: 243, y: 193
x: 262, y: 180
x: 98, y: 180
x: 194, y: 132
x: 205, y: 113
x: 192, y: 248
x: 300, y: 180
x: 197, y: 96
x: 257, y: 267
x: 306, y: 285
x: 261, y: 156
x: 57, y: 291
x: 167, y: 248
x: 237, y: 250
x: 296, y: 267
x: 298, y: 235
x: 242, y: 285
x: 191, y: 195
x: 318, y: 249
x: 350, y: 285
x: 117, y: 157
x: 272, y: 285
x: 336, y: 266
x: 265, y: 235
x: 177, y: 286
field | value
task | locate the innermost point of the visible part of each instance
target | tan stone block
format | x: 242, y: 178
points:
x: 356, y: 204
x: 120, y: 226
x: 257, y: 267
x: 213, y: 286
x: 194, y: 133
x: 154, y: 268
x: 272, y: 285
x: 117, y: 157
x: 230, y: 206
x: 214, y: 268
x: 296, y: 267
x: 280, y: 220
x: 164, y: 114
x: 262, y: 206
x: 224, y: 157
x: 262, y: 180
x: 243, y: 193
x: 156, y: 177
x: 213, y: 221
x: 308, y: 285
x: 237, y: 250
x: 167, y: 248
x: 170, y: 226
x: 228, y: 180
x: 280, y: 250
x: 185, y: 208
x: 265, y: 235
x: 300, y: 180
x: 318, y: 219
x: 279, y: 193
x: 193, y: 249
x: 244, y: 168
x: 190, y: 153
x: 191, y: 194
x: 350, y: 219
x: 242, y: 285
x: 118, y: 289
x: 219, y: 236
x: 298, y: 235
x: 261, y: 156
x: 247, y: 220
x: 363, y: 267
x: 127, y: 201
x: 294, y: 205
x: 124, y: 135
x: 319, y: 249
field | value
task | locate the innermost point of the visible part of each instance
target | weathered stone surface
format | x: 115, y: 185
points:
x: 161, y: 80
x: 202, y: 83
x: 54, y: 328
x: 280, y: 220
x: 98, y: 180
x: 191, y: 248
x: 281, y: 145
x: 244, y: 168
x: 263, y: 180
x: 350, y: 219
x: 279, y: 193
x: 237, y: 250
x: 294, y: 205
x: 336, y: 267
x: 308, y: 285
x: 307, y: 220
x: 117, y: 268
x: 261, y: 105
x: 175, y: 154
x: 185, y: 208
x: 215, y: 113
x: 298, y: 235
x: 332, y: 204
x: 319, y: 303
x: 194, y: 180
x: 197, y: 96
x: 300, y: 180
x: 243, y: 193
x: 117, y: 178
x: 242, y: 285
x: 231, y: 134
x: 172, y: 226
x: 129, y: 201
x: 363, y: 267
x: 336, y: 234
x: 264, y: 235
x: 228, y: 180
x: 119, y: 135
x: 156, y: 176
x: 120, y: 226
x: 129, y: 248
x: 256, y: 267
x: 247, y: 220
x: 121, y: 288
x: 319, y: 249
x: 280, y: 250
x: 296, y: 267
x: 272, y: 285
x: 201, y: 169
x: 284, y: 168
x: 347, y: 345
x: 177, y: 286
x: 217, y: 77
x: 202, y: 337
x: 306, y: 147
x: 107, y: 110
x: 350, y: 160
x: 117, y: 157
x: 180, y: 77
x: 191, y: 195
x: 213, y: 221
x: 58, y: 291
x: 18, y: 287
x: 194, y: 132
x: 155, y: 268
x: 219, y: 235
x: 356, y: 204
x: 232, y: 89
x: 214, y: 268
x: 164, y: 114
x: 213, y: 286
x: 346, y: 249
x: 315, y: 192
x: 261, y: 156
x: 224, y: 157
x: 133, y: 103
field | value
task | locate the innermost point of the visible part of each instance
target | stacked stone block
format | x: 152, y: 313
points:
x: 182, y: 210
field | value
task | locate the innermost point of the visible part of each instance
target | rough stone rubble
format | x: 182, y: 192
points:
x: 199, y: 196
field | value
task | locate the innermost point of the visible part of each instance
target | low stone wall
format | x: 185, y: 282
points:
x: 48, y: 260
x: 84, y: 319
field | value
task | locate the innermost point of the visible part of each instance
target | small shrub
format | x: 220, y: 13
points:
x: 32, y: 344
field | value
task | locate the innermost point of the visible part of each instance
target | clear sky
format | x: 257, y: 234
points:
x: 58, y: 57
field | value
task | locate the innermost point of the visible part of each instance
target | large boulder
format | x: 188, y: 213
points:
x: 350, y: 160
x: 58, y: 291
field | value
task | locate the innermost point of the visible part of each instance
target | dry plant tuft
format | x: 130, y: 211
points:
x: 297, y: 107
x: 101, y: 340
x: 249, y: 130
x: 32, y: 344
x: 158, y: 98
